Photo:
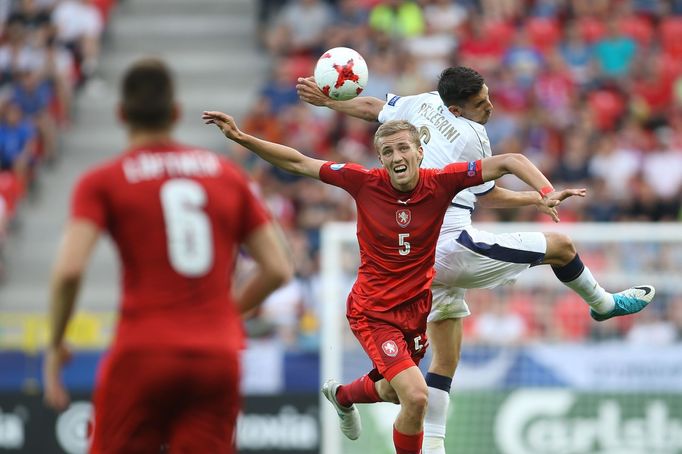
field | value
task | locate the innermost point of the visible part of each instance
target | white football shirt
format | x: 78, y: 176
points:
x: 445, y: 139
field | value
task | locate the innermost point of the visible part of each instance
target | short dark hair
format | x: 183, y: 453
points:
x: 147, y: 95
x: 457, y: 84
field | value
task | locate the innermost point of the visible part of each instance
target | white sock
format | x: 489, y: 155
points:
x: 435, y: 421
x: 589, y: 289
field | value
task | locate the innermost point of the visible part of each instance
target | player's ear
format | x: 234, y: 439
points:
x: 455, y: 110
x: 120, y: 113
x: 177, y: 113
x: 420, y: 152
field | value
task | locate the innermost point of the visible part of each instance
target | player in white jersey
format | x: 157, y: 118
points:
x: 450, y: 122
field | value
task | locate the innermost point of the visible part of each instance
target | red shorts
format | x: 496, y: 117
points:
x: 395, y: 339
x: 188, y: 400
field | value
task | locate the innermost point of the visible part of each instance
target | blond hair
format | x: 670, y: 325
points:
x: 393, y: 127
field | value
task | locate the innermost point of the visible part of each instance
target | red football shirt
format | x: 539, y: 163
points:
x: 398, y: 231
x: 177, y: 215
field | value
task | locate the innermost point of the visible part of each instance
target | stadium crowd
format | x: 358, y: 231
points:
x: 590, y: 91
x: 49, y: 50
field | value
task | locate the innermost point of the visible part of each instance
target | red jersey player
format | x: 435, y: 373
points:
x: 177, y: 215
x: 400, y: 210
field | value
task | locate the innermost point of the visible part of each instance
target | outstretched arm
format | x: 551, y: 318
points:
x: 517, y: 164
x: 504, y: 198
x: 363, y: 107
x: 281, y: 156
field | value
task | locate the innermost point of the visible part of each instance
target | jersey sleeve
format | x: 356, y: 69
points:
x: 462, y: 175
x: 398, y: 107
x: 478, y: 147
x: 347, y: 176
x: 88, y: 201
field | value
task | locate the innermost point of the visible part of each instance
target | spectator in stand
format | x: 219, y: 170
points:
x: 498, y: 325
x: 348, y: 27
x: 33, y: 94
x: 577, y: 54
x: 79, y: 27
x: 652, y: 330
x: 445, y: 16
x: 614, y: 52
x: 31, y: 15
x: 17, y: 142
x: 280, y: 89
x: 16, y: 53
x: 479, y: 48
x: 299, y: 28
x: 397, y: 18
x: 523, y: 59
x: 615, y: 163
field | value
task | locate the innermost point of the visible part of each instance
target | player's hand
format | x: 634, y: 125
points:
x: 55, y: 394
x: 223, y: 121
x: 309, y: 92
x: 550, y: 211
x: 548, y: 204
x: 566, y: 193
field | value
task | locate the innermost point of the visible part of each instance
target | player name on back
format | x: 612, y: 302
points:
x: 168, y: 164
x: 437, y: 119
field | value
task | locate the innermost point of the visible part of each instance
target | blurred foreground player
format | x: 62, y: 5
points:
x: 400, y: 210
x: 177, y: 215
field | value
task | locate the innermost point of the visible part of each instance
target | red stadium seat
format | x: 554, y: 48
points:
x: 591, y: 28
x: 671, y: 36
x: 570, y: 314
x: 543, y: 33
x: 500, y: 31
x: 638, y: 28
x: 670, y: 66
x: 606, y: 107
x: 11, y: 190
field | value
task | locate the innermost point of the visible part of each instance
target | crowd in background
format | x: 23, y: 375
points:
x: 589, y: 90
x: 49, y: 50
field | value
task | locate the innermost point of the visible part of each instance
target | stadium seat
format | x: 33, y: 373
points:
x: 638, y: 28
x: 671, y: 36
x: 544, y: 33
x: 607, y: 107
x: 500, y: 31
x: 591, y: 28
x: 11, y: 190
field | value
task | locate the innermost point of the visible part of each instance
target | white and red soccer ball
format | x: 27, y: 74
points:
x: 341, y: 73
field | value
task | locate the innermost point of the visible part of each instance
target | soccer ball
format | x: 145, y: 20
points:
x: 341, y: 73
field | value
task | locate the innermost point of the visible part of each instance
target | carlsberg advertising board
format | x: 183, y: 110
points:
x: 545, y: 421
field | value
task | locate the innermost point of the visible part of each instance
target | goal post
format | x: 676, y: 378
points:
x: 587, y: 381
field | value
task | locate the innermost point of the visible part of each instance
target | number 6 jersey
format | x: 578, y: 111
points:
x: 177, y: 216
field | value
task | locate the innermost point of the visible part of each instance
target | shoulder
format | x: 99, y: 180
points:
x: 345, y: 167
x: 472, y: 131
x: 346, y: 174
x: 394, y: 100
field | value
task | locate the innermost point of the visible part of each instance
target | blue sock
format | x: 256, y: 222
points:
x: 438, y: 381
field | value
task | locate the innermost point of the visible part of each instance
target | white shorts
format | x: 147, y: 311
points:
x: 472, y: 258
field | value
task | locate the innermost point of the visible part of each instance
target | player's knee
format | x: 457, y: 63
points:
x: 561, y: 246
x: 416, y: 400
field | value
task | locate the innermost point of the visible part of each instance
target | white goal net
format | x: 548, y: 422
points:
x: 556, y: 381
